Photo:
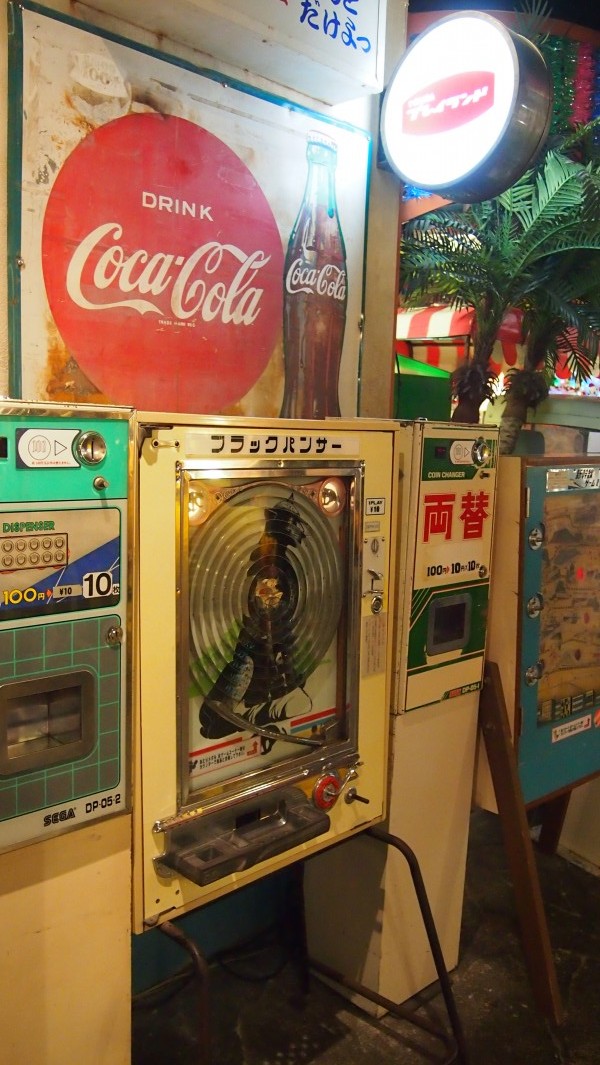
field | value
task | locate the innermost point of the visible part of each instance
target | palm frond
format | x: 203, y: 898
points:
x: 532, y: 20
x: 579, y: 360
x: 545, y: 194
x: 564, y: 238
x: 581, y: 138
x: 535, y: 247
x: 573, y: 276
x: 550, y: 361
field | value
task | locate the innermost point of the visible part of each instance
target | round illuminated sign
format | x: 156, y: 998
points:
x: 467, y: 108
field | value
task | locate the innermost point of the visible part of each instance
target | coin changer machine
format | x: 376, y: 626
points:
x: 265, y: 570
x: 446, y: 513
x: 65, y: 854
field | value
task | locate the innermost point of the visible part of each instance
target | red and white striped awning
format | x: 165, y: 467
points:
x: 437, y: 321
x: 439, y: 336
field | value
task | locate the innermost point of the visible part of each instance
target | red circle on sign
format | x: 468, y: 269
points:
x: 163, y: 263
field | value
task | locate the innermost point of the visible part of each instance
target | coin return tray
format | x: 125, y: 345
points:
x: 209, y: 847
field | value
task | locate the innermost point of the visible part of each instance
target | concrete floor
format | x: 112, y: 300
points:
x: 262, y: 1013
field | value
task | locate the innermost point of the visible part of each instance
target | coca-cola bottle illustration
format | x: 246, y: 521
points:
x: 315, y: 293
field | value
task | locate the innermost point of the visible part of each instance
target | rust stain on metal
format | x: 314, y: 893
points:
x: 77, y: 118
x: 64, y: 381
x: 267, y: 393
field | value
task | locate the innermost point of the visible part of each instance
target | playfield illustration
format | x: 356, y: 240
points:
x: 570, y: 617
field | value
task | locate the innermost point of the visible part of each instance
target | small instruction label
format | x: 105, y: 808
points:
x: 375, y: 505
x: 572, y: 728
x: 461, y: 452
x: 374, y: 645
x: 46, y: 448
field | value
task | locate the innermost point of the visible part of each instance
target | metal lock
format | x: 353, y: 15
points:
x: 377, y: 603
x: 535, y: 605
x: 536, y: 537
x: 533, y: 673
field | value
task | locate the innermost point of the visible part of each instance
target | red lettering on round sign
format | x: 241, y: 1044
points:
x: 163, y: 265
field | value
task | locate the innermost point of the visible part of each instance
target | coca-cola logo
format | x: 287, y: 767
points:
x: 163, y: 264
x: 449, y: 103
x: 329, y: 280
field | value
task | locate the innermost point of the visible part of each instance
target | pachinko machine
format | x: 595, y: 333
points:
x: 265, y: 561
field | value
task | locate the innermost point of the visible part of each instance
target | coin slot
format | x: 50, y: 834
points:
x: 248, y: 818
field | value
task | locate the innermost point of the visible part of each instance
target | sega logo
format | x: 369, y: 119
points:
x: 58, y: 816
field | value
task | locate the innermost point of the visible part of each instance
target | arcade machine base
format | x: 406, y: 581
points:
x: 65, y: 971
x: 388, y: 949
x: 447, y: 504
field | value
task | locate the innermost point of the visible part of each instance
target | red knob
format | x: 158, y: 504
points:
x: 326, y: 791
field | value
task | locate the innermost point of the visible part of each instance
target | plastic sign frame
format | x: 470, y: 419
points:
x: 467, y: 108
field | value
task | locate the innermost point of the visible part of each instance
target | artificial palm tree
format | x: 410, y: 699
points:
x: 520, y: 250
x: 564, y: 321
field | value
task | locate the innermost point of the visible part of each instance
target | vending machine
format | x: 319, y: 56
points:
x: 65, y: 829
x: 63, y: 619
x: 446, y: 514
x: 545, y: 621
x: 266, y: 566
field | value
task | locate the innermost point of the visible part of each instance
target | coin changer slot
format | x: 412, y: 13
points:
x: 449, y: 624
x: 46, y: 721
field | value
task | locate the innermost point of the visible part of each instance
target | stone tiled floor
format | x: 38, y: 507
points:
x: 262, y: 1013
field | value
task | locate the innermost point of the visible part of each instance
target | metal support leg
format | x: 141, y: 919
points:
x: 201, y: 974
x: 453, y: 1041
x: 456, y: 1041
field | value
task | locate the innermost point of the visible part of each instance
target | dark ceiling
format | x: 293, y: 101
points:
x: 583, y: 12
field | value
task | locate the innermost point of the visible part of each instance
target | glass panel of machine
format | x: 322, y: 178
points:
x: 265, y: 587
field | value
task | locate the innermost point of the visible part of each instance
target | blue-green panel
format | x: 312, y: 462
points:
x: 31, y: 652
x: 27, y: 483
x: 559, y: 744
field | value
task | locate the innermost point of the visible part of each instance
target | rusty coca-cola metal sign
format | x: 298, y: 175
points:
x: 170, y: 280
x: 155, y: 209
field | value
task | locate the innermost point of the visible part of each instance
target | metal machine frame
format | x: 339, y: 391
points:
x: 195, y: 841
